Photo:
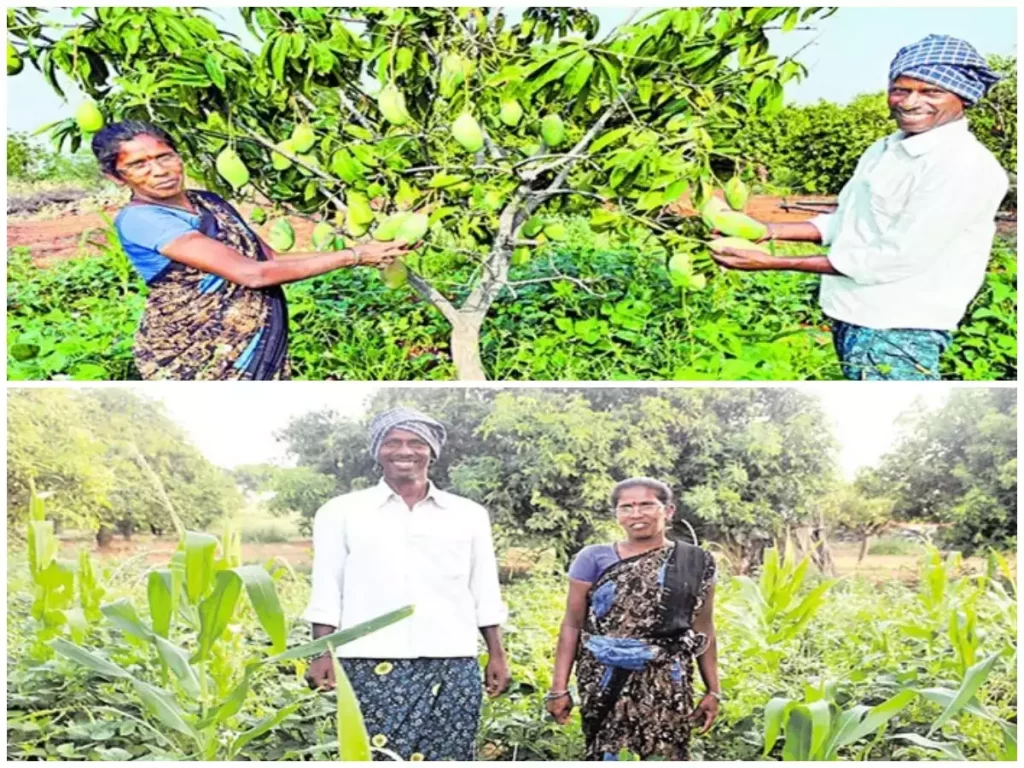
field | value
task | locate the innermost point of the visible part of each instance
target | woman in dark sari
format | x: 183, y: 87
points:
x: 215, y: 309
x: 640, y: 611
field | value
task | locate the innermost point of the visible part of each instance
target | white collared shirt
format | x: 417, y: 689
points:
x: 372, y: 554
x: 913, y: 231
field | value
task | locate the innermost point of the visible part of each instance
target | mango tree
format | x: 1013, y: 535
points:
x: 487, y: 130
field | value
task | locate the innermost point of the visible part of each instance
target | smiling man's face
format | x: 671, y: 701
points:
x: 918, y: 106
x: 404, y: 456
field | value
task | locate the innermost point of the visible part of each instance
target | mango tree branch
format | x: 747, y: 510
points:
x: 588, y: 137
x: 359, y: 118
x: 434, y: 296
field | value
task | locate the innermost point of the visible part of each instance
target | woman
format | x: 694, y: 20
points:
x: 639, y: 613
x: 215, y: 308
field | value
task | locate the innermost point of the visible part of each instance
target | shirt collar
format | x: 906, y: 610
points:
x: 917, y: 145
x: 385, y: 493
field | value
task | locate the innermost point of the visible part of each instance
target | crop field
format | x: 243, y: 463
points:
x: 909, y: 657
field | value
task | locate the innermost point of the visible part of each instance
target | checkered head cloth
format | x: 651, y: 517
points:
x: 947, y: 62
x: 411, y: 420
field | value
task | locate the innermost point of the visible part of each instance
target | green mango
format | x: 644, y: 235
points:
x: 281, y: 235
x: 556, y: 231
x: 679, y: 266
x: 712, y: 206
x: 453, y: 73
x: 258, y: 216
x: 520, y: 256
x: 736, y: 193
x: 310, y: 160
x: 698, y: 282
x: 359, y: 215
x: 533, y: 226
x: 14, y: 61
x: 303, y: 138
x: 391, y: 103
x: 395, y: 274
x: 280, y: 162
x: 232, y: 169
x: 323, y: 236
x: 738, y: 243
x: 89, y: 117
x: 511, y: 113
x: 735, y: 224
x: 466, y: 131
x: 388, y: 229
x: 413, y: 227
x: 552, y: 130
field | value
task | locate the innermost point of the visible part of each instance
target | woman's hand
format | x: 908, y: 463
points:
x: 705, y: 713
x: 560, y: 708
x: 378, y: 254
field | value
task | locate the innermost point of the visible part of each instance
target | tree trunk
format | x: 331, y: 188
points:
x: 863, y: 547
x: 465, y: 344
x: 103, y: 537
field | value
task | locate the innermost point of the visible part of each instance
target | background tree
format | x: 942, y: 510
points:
x: 106, y: 458
x: 631, y: 119
x: 957, y: 464
x: 861, y: 507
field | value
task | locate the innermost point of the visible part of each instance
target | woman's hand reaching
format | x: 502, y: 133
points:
x: 378, y: 254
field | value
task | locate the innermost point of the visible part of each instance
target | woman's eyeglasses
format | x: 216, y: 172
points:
x: 647, y: 507
x: 145, y: 167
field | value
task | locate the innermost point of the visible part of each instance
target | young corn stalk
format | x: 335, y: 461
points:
x: 193, y: 602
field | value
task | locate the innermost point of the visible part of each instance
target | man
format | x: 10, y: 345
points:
x: 405, y: 542
x: 914, y: 228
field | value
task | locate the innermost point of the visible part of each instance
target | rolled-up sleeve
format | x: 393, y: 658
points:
x: 483, y: 580
x: 947, y: 197
x: 826, y: 224
x: 329, y: 554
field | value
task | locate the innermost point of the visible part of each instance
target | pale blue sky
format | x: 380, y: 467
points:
x: 849, y: 53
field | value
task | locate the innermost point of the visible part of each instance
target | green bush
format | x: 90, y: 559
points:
x: 894, y: 545
x: 29, y: 160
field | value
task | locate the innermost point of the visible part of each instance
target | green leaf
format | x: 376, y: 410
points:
x: 799, y: 734
x: 579, y: 76
x: 775, y: 712
x: 609, y: 137
x: 878, y: 716
x: 320, y: 645
x: 266, y: 724
x: 161, y: 604
x: 214, y: 71
x: 87, y: 659
x: 215, y: 612
x: 199, y: 552
x: 353, y: 740
x: 949, y: 750
x: 263, y: 596
x: 945, y: 696
x: 177, y: 661
x: 973, y: 680
x: 232, y: 705
x: 821, y: 723
x: 121, y: 613
x: 845, y: 724
x: 162, y: 706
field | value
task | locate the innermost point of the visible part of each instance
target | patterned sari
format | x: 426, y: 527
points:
x: 635, y: 661
x: 198, y: 326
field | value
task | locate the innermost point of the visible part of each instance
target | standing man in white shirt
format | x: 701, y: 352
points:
x: 401, y: 542
x: 913, y: 232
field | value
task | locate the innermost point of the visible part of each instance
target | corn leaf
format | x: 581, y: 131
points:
x: 199, y: 552
x: 878, y: 716
x: 121, y: 613
x: 775, y: 712
x: 177, y: 661
x: 949, y: 750
x: 161, y: 603
x: 234, y: 701
x: 821, y: 724
x: 263, y: 596
x: 88, y: 659
x: 162, y: 706
x: 320, y: 645
x: 215, y: 612
x: 973, y: 680
x: 945, y: 696
x: 353, y: 740
x: 845, y: 724
x: 264, y: 725
x: 799, y: 734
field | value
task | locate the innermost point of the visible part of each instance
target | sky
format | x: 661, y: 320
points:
x: 847, y: 54
x: 235, y: 425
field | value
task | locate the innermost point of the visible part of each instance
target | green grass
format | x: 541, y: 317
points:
x: 623, y: 321
x: 894, y: 545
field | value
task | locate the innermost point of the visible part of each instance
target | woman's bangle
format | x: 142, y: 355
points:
x: 714, y: 694
x: 552, y: 695
x: 356, y: 256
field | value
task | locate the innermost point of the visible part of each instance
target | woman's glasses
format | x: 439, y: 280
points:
x: 146, y: 166
x: 646, y: 507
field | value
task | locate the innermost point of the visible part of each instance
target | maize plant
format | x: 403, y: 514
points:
x: 54, y: 581
x: 771, y: 608
x: 205, y: 678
